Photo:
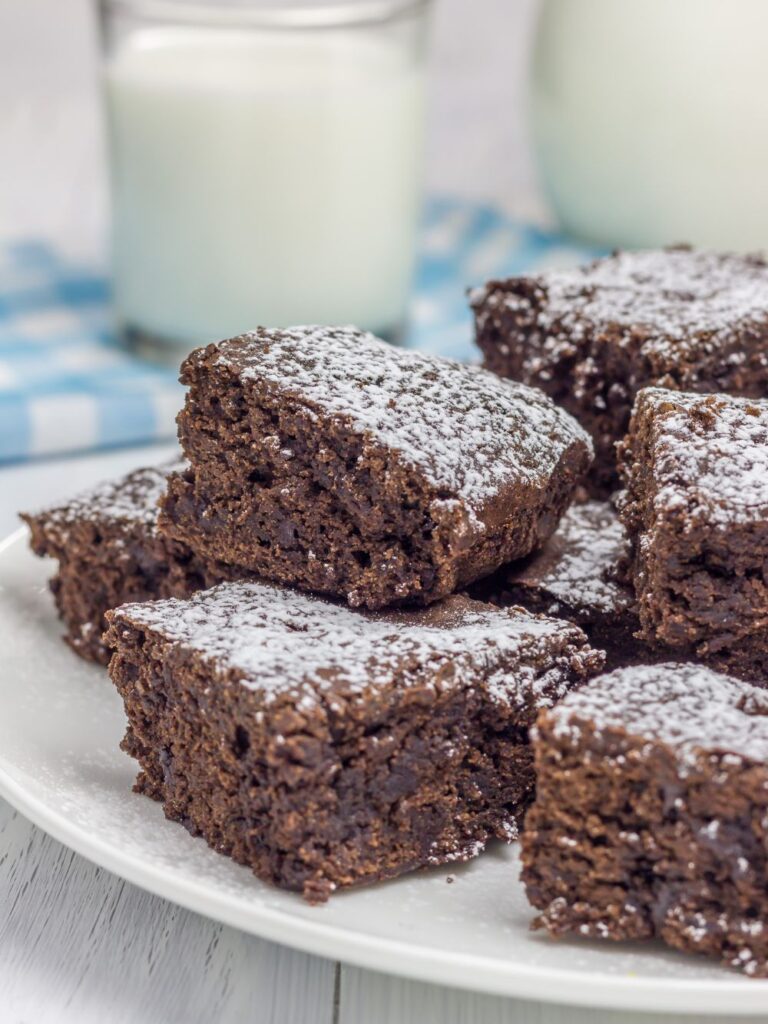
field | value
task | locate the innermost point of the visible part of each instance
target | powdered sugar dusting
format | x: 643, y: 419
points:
x: 579, y: 562
x: 469, y: 432
x: 130, y: 499
x: 710, y: 455
x: 675, y: 299
x: 283, y: 641
x: 689, y: 707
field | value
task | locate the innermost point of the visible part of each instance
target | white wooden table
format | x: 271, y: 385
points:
x: 76, y: 943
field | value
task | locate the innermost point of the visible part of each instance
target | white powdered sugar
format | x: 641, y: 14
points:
x: 676, y: 297
x: 710, y: 455
x: 676, y: 292
x: 578, y: 564
x: 130, y: 499
x: 467, y: 431
x: 690, y: 708
x: 283, y: 641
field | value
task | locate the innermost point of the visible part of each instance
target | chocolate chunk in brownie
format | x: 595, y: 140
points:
x: 696, y: 510
x: 592, y: 337
x: 651, y: 813
x: 326, y: 459
x: 325, y: 747
x: 110, y: 551
x: 577, y: 575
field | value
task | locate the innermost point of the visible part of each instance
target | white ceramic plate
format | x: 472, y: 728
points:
x: 60, y: 725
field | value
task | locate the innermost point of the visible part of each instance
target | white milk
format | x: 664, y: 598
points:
x: 651, y: 119
x: 262, y: 179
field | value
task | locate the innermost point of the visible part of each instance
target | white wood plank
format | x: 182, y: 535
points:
x: 79, y: 945
x: 370, y: 998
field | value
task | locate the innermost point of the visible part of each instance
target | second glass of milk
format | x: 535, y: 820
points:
x: 265, y: 164
x: 651, y: 120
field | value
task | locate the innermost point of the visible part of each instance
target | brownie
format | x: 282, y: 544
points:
x: 651, y: 813
x: 696, y: 510
x: 592, y: 337
x: 324, y: 747
x: 109, y: 551
x: 326, y: 459
x: 578, y: 575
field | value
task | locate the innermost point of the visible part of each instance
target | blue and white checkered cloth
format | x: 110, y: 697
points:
x: 66, y: 385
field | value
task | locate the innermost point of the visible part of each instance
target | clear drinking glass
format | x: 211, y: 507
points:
x: 265, y: 164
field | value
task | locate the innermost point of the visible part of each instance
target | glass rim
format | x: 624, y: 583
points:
x: 272, y: 16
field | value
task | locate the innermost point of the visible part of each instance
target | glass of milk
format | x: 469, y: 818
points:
x: 651, y: 119
x: 265, y: 164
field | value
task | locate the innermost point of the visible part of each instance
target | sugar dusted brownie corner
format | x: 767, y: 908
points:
x: 651, y: 813
x: 324, y: 747
x: 594, y: 336
x: 696, y: 511
x: 110, y: 551
x: 578, y: 575
x: 326, y: 459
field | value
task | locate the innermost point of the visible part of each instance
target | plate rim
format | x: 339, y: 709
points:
x: 735, y: 996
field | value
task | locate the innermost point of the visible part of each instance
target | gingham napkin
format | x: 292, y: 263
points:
x: 66, y: 385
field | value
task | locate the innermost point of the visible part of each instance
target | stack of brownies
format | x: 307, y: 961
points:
x: 335, y: 625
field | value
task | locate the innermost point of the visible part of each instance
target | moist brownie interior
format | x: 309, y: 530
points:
x: 326, y: 459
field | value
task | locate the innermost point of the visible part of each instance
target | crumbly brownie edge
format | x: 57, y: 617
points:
x: 103, y: 564
x: 513, y: 345
x: 699, y: 584
x: 331, y: 511
x: 337, y: 793
x: 619, y: 846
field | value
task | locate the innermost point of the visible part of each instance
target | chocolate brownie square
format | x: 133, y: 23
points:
x: 110, y: 551
x: 326, y: 459
x: 324, y: 747
x: 578, y: 575
x: 696, y: 510
x: 594, y: 336
x: 651, y: 813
